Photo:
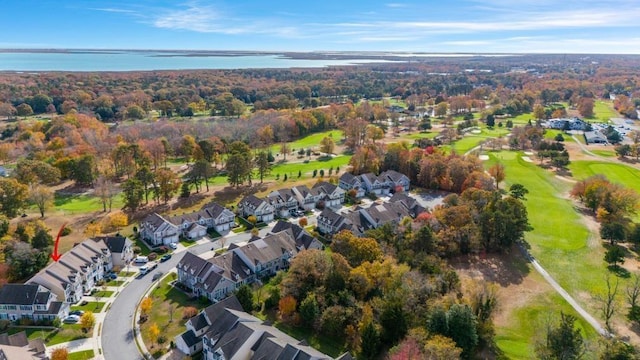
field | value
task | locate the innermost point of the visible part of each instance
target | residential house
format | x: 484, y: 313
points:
x: 30, y: 301
x: 18, y: 346
x: 307, y: 199
x: 157, y: 231
x: 283, y: 201
x: 398, y: 181
x: 76, y: 271
x: 376, y: 185
x: 3, y: 172
x: 230, y: 333
x: 330, y: 222
x: 190, y: 341
x: 260, y: 208
x: 268, y: 255
x: 380, y: 214
x: 121, y: 249
x: 214, y: 278
x: 348, y: 181
x: 409, y: 203
x: 304, y: 240
x: 332, y: 195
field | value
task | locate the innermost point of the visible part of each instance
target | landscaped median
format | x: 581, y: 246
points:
x: 170, y: 307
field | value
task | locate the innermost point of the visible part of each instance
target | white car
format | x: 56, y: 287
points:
x: 173, y: 246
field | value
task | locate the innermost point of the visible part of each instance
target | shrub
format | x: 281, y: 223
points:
x: 152, y: 256
x: 137, y: 250
x: 4, y: 324
x: 66, y: 231
x: 162, y: 249
x: 189, y: 312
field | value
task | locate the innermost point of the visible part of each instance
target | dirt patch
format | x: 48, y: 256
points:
x: 510, y: 272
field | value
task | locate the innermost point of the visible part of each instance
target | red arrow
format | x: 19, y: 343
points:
x: 55, y: 256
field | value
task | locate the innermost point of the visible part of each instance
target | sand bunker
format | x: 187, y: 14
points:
x: 527, y: 159
x: 483, y: 157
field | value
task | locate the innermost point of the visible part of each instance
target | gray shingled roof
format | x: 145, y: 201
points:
x: 190, y: 338
x: 18, y: 294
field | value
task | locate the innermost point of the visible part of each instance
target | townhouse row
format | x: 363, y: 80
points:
x: 217, y: 277
x: 49, y: 294
x: 360, y: 219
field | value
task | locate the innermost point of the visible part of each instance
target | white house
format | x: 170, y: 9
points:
x: 260, y: 208
x: 375, y: 184
x: 349, y: 181
x: 332, y: 195
x: 397, y: 180
x: 283, y: 201
x: 158, y: 231
x: 121, y: 249
x: 30, y: 301
x: 307, y: 199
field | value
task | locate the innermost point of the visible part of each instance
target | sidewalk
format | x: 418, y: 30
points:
x: 94, y: 342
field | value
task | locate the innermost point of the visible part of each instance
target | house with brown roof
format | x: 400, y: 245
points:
x: 18, y: 346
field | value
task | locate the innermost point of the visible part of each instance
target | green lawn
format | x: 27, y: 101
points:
x: 103, y: 294
x: 467, y: 143
x: 331, y: 347
x: 68, y: 332
x: 559, y: 240
x: 81, y: 355
x: 292, y: 169
x: 75, y: 204
x: 529, y: 323
x: 167, y: 300
x: 417, y: 135
x: 126, y: 274
x: 617, y: 173
x: 115, y: 283
x: 603, y: 111
x: 309, y: 142
x: 550, y: 134
x: 93, y: 306
x: 187, y: 243
x: 604, y: 153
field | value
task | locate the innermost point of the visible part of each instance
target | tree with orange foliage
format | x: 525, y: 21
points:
x: 287, y: 307
x: 60, y: 353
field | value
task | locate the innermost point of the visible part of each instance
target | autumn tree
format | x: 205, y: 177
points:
x: 60, y: 353
x: 42, y: 197
x: 287, y: 307
x: 24, y: 110
x: 154, y: 333
x: 106, y: 190
x: 356, y: 249
x: 87, y: 321
x: 498, y: 173
x: 167, y: 185
x: 585, y: 107
x: 327, y: 145
x: 14, y: 197
x: 145, y: 306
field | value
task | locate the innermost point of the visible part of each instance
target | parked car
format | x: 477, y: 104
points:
x: 173, y: 246
x: 76, y: 312
x: 157, y: 276
x: 141, y: 260
x: 71, y: 319
x: 112, y: 276
x: 165, y: 257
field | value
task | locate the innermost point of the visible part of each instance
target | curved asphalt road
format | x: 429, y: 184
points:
x: 118, y: 340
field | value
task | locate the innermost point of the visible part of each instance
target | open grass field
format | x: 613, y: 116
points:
x: 617, y: 173
x: 311, y: 141
x: 603, y: 111
x: 550, y: 134
x: 604, y: 153
x: 76, y: 204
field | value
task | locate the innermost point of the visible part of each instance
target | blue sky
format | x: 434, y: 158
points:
x: 502, y: 26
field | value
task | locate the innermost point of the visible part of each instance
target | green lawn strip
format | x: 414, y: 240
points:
x: 187, y: 242
x: 167, y: 299
x: 550, y: 134
x: 124, y: 273
x: 68, y: 332
x: 115, y: 283
x: 103, y: 294
x: 93, y: 306
x: 616, y: 173
x: 292, y: 169
x: 83, y: 203
x: 520, y: 119
x: 32, y: 333
x: 309, y: 142
x: 466, y: 143
x: 528, y: 324
x: 144, y: 248
x: 81, y: 355
x: 417, y: 135
x: 604, y: 153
